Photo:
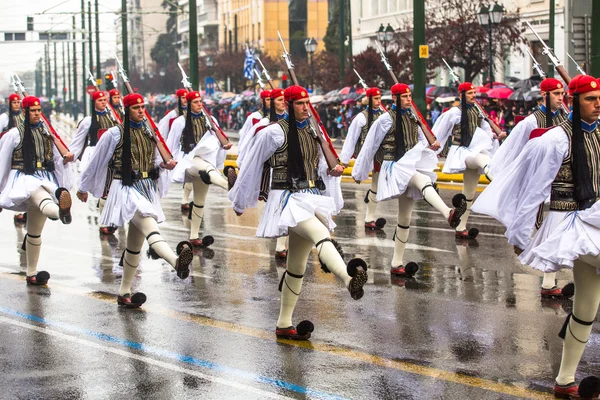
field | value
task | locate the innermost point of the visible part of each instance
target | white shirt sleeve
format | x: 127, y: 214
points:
x: 93, y: 177
x: 78, y: 142
x: 8, y: 144
x: 353, y: 134
x: 163, y: 124
x: 442, y: 129
x: 4, y: 120
x: 512, y: 145
x: 364, y: 162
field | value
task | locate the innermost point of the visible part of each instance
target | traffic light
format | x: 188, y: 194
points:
x: 29, y: 23
x: 108, y: 80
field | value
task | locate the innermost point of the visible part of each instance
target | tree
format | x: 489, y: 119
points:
x: 332, y: 34
x: 164, y: 51
x: 454, y: 33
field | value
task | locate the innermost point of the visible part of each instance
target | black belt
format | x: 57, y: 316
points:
x: 139, y: 175
x: 39, y: 165
x: 295, y: 185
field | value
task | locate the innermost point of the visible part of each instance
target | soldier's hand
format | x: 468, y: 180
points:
x: 69, y: 157
x: 170, y: 165
x: 83, y: 196
x: 338, y: 170
x: 435, y: 146
x: 228, y: 146
x: 501, y: 136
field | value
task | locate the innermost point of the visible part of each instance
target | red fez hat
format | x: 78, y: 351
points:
x: 14, y: 97
x: 583, y: 84
x: 114, y: 92
x: 193, y: 95
x: 295, y: 92
x: 98, y: 95
x: 465, y: 87
x: 133, y: 99
x: 400, y: 88
x: 275, y: 93
x: 550, y: 84
x: 31, y: 101
x: 265, y: 94
x: 373, y: 91
x: 181, y: 92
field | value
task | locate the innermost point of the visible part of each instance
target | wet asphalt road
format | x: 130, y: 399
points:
x: 471, y: 325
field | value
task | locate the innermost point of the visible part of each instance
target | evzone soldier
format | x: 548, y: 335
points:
x: 115, y: 102
x: 357, y: 133
x: 251, y: 121
x: 276, y: 113
x: 561, y: 164
x: 472, y: 146
x: 8, y: 120
x: 83, y: 145
x: 34, y: 178
x: 303, y: 194
x: 548, y: 115
x: 164, y: 126
x: 128, y: 153
x: 407, y: 161
x: 200, y: 155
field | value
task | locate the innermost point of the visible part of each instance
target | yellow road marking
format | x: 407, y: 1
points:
x: 355, y: 355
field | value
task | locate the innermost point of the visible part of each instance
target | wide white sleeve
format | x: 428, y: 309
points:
x: 163, y: 124
x: 78, y: 142
x: 174, y: 137
x: 250, y: 140
x: 93, y: 177
x: 333, y: 184
x: 244, y: 137
x: 246, y: 190
x: 353, y: 134
x: 8, y: 144
x: 364, y: 162
x: 4, y: 119
x: 442, y: 129
x: 512, y: 145
x: 514, y: 196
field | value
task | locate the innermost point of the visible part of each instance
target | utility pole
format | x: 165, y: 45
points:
x: 38, y: 78
x: 74, y: 87
x: 193, y: 44
x: 98, y: 68
x: 64, y: 73
x: 419, y: 64
x: 342, y: 46
x: 551, y: 21
x: 124, y: 40
x: 595, y: 46
x: 350, y: 52
x: 83, y: 62
x: 91, y: 66
x: 47, y: 62
x: 55, y: 92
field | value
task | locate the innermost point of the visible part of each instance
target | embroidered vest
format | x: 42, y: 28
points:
x: 563, y: 187
x: 43, y: 150
x: 199, y: 129
x: 363, y: 132
x: 540, y: 118
x: 387, y: 149
x: 142, y: 155
x: 474, y: 123
x: 17, y: 119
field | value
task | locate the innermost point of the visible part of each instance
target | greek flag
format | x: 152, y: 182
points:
x: 248, y: 63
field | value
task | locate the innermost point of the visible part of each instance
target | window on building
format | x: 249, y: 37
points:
x: 297, y: 18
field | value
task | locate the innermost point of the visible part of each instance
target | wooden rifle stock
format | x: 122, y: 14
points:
x: 497, y: 130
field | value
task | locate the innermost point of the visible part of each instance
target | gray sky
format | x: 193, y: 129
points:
x: 49, y: 15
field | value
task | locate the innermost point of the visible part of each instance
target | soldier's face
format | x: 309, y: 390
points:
x: 556, y: 98
x: 196, y: 105
x: 376, y: 102
x: 136, y: 112
x: 405, y: 100
x: 183, y: 101
x: 470, y: 95
x: 116, y: 99
x: 301, y: 108
x: 589, y: 106
x: 279, y: 104
x: 268, y: 102
x: 35, y: 114
x: 15, y: 105
x: 101, y: 104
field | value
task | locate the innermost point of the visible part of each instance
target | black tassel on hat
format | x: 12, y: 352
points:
x: 398, y: 131
x: 295, y: 162
x: 93, y: 132
x: 29, y: 156
x: 370, y: 113
x: 126, y: 167
x: 584, y: 190
x: 464, y: 121
x: 549, y: 122
x: 189, y: 141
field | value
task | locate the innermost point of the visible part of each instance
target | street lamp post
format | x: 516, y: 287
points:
x: 490, y: 16
x: 385, y: 36
x: 209, y: 82
x: 310, y: 45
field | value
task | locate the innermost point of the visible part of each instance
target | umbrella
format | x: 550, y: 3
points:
x: 533, y: 94
x: 517, y: 95
x: 227, y: 95
x: 347, y: 90
x: 225, y: 101
x: 208, y: 102
x: 348, y: 101
x: 247, y: 93
x: 496, y: 85
x: 438, y: 91
x: 446, y: 98
x: 316, y: 99
x: 526, y: 84
x: 500, y: 93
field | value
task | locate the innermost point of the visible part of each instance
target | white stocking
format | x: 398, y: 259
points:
x: 33, y: 240
x: 215, y: 176
x: 431, y: 196
x: 197, y: 210
x: 42, y: 200
x: 470, y: 181
x: 131, y: 258
x: 101, y: 203
x: 281, y: 243
x: 405, y: 207
x: 148, y: 227
x: 292, y: 281
x: 585, y: 308
x: 313, y: 230
x: 549, y: 280
x: 372, y: 196
x: 187, y: 189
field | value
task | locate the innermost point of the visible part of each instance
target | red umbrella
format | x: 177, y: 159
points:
x: 481, y: 89
x: 346, y: 90
x: 499, y: 93
x: 348, y: 101
x: 497, y: 85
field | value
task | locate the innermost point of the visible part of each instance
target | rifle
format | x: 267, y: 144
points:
x: 581, y: 71
x: 49, y: 129
x: 414, y: 111
x: 497, y: 130
x: 317, y: 127
x: 542, y: 74
x: 364, y: 85
x: 264, y: 71
x: 211, y: 125
x: 259, y: 79
x: 548, y: 51
x: 150, y: 126
x: 114, y: 115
